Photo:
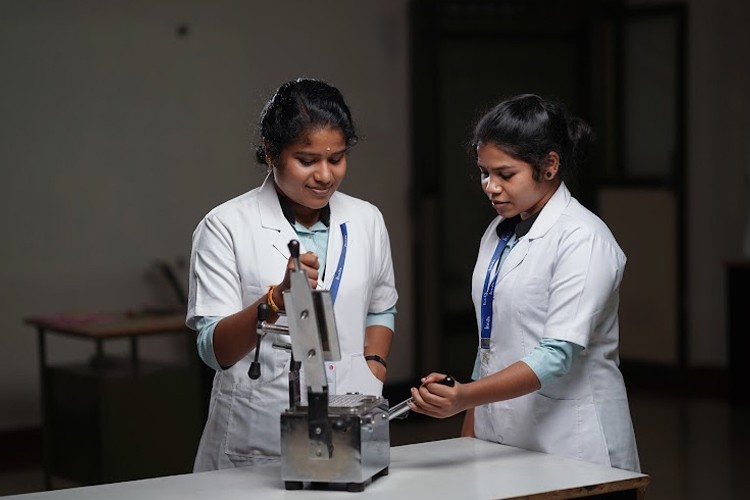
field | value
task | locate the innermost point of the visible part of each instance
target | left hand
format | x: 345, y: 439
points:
x: 435, y: 399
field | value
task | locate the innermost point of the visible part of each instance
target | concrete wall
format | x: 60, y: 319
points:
x: 117, y: 136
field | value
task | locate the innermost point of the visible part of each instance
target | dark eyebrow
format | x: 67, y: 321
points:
x: 498, y: 168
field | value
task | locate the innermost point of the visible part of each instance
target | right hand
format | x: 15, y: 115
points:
x: 435, y: 399
x: 310, y: 264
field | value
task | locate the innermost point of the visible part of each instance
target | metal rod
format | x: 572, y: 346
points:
x: 272, y: 328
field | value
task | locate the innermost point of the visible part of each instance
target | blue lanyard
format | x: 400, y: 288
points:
x: 340, y: 266
x: 488, y: 292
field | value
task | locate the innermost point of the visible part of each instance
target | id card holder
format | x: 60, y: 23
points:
x: 331, y: 377
x: 484, y: 361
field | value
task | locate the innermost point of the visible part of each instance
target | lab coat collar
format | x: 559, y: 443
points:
x: 271, y: 215
x: 288, y: 210
x: 550, y: 212
x: 524, y: 226
x: 545, y: 219
x: 338, y: 210
x: 272, y: 218
x: 269, y: 199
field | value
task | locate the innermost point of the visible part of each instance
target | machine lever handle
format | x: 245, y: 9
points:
x: 294, y: 253
x: 254, y: 371
x: 294, y: 248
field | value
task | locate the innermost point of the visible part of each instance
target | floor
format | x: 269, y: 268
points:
x: 692, y: 448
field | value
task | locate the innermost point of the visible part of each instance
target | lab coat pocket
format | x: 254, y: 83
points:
x: 569, y: 427
x: 360, y: 378
x: 253, y: 432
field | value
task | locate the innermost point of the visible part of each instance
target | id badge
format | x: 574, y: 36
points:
x: 484, y: 365
x: 331, y: 377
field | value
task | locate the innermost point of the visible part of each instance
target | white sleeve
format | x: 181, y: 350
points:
x: 384, y: 295
x: 214, y: 282
x: 585, y: 279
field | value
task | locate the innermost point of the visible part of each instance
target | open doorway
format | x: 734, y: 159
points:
x: 595, y: 57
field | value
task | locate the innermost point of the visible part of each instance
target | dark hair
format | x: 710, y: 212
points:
x: 528, y: 128
x: 298, y: 106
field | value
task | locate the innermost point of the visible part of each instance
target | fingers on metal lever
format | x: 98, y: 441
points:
x: 401, y: 410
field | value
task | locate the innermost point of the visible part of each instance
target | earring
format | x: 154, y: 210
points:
x: 549, y: 175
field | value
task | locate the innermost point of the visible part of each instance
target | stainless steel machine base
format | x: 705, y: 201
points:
x: 316, y: 485
x: 360, y: 440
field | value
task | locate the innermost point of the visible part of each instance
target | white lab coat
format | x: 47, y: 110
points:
x: 239, y: 250
x: 560, y: 281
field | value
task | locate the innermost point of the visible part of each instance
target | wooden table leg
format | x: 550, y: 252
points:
x: 45, y: 408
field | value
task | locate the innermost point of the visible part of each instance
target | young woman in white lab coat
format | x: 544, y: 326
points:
x: 240, y: 259
x: 545, y: 290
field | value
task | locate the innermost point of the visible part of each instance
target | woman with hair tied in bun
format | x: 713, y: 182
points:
x: 546, y: 293
x: 240, y: 259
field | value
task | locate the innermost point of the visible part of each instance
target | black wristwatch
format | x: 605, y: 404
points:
x: 375, y: 357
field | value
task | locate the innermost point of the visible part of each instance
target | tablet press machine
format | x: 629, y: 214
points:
x: 334, y: 440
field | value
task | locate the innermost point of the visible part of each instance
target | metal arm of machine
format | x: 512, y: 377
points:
x: 314, y: 340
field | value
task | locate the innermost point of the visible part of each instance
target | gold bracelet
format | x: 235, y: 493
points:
x: 269, y: 299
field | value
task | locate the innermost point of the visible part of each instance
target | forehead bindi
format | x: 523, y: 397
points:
x: 321, y: 141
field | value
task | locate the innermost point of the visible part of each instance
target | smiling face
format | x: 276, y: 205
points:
x: 510, y: 185
x: 310, y: 170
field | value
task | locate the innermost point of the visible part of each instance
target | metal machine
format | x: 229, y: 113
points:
x: 334, y: 440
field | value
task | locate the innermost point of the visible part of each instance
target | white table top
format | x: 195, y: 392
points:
x: 463, y: 468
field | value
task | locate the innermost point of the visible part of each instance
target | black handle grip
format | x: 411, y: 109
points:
x: 294, y: 249
x: 254, y: 371
x: 448, y: 380
x: 263, y: 312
